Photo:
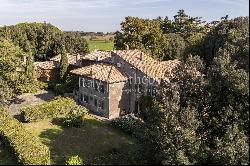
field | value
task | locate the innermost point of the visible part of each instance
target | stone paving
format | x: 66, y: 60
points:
x: 29, y: 99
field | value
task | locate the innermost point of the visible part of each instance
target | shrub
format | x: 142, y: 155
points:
x: 75, y: 117
x: 28, y: 149
x: 74, y: 160
x: 66, y: 87
x: 129, y: 124
x: 58, y: 107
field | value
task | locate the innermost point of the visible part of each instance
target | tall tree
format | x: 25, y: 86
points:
x: 174, y: 118
x: 63, y: 63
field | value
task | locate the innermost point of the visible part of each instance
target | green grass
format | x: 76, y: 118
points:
x: 6, y: 157
x: 96, y: 142
x: 100, y: 45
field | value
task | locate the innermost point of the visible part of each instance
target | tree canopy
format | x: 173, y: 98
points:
x: 201, y: 116
x: 23, y: 44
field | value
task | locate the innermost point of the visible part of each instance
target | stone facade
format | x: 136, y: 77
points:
x: 104, y: 99
x: 112, y: 83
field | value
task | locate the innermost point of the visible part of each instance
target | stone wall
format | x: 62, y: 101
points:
x: 136, y: 78
x: 119, y: 99
x: 93, y: 95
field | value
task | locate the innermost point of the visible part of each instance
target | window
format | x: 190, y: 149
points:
x: 86, y: 99
x: 81, y: 97
x: 102, y: 88
x: 81, y: 80
x: 101, y: 104
x: 96, y: 102
x: 87, y: 83
x: 154, y: 91
x: 96, y: 85
x: 149, y: 91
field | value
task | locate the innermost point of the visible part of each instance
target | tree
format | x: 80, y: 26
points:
x: 6, y: 93
x: 176, y: 47
x: 228, y: 92
x: 184, y: 25
x: 143, y: 34
x: 14, y: 79
x: 234, y: 32
x: 233, y: 148
x: 174, y: 117
x: 164, y: 39
x: 63, y: 63
x: 41, y: 38
x: 75, y: 43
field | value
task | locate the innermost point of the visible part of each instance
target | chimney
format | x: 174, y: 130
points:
x: 141, y: 56
x: 78, y: 58
x: 91, y: 72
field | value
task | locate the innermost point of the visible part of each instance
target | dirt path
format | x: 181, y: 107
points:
x: 29, y: 99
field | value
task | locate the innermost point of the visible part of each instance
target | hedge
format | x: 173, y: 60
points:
x: 58, y: 107
x: 28, y: 149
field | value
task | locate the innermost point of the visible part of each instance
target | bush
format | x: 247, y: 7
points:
x: 74, y: 160
x: 58, y: 107
x: 129, y: 124
x: 67, y: 87
x: 28, y: 149
x: 75, y: 117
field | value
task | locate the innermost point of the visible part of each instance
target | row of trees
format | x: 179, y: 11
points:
x: 23, y: 44
x: 202, y: 115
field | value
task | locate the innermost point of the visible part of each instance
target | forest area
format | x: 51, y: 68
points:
x: 200, y: 116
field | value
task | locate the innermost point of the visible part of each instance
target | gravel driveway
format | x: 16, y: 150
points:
x: 29, y: 99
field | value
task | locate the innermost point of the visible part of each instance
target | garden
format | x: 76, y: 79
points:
x: 63, y: 130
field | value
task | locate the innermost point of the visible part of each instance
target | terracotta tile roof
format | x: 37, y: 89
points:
x: 47, y: 65
x: 104, y: 72
x: 72, y: 58
x: 145, y: 63
x: 102, y: 56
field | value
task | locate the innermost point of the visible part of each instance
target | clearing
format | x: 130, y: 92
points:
x: 101, y: 45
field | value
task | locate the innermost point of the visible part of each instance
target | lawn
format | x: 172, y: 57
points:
x: 6, y: 157
x: 96, y: 142
x: 100, y: 45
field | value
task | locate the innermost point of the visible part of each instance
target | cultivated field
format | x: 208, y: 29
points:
x: 100, y: 42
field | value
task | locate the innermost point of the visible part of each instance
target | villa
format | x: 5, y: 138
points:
x: 111, y: 83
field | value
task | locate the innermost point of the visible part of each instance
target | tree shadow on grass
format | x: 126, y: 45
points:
x: 92, y: 140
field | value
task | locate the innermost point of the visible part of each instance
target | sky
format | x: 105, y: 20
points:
x: 106, y: 15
